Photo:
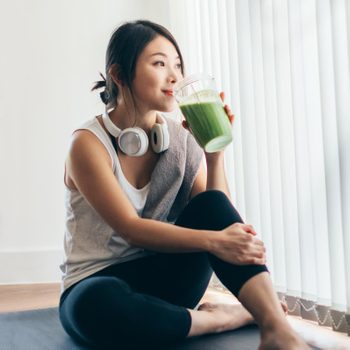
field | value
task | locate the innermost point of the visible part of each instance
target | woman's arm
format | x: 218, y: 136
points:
x: 216, y: 178
x: 211, y: 176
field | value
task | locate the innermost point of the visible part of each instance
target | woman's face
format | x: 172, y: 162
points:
x: 158, y: 68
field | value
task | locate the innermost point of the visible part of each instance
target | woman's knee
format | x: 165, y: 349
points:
x: 211, y: 210
x: 211, y: 196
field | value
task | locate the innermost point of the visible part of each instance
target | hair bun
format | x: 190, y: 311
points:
x: 105, y: 96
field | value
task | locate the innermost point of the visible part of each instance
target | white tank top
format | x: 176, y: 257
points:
x: 136, y: 196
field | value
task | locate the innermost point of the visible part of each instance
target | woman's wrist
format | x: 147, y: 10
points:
x: 210, y: 240
x: 214, y: 158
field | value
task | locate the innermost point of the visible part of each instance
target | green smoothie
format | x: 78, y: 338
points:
x: 209, y: 124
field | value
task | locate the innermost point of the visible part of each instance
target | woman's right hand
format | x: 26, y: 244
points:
x: 237, y: 244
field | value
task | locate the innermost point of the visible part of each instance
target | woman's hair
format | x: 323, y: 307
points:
x: 124, y: 48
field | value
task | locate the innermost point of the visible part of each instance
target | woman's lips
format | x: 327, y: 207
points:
x: 168, y: 92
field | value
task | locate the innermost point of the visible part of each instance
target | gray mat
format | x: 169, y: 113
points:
x: 41, y: 330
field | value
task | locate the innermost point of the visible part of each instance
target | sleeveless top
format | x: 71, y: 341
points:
x: 90, y: 244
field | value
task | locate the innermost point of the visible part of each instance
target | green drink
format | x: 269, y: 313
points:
x: 204, y: 113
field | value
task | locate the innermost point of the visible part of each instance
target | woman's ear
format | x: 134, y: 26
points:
x: 116, y: 75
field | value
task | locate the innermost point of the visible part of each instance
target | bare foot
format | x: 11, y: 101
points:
x: 232, y: 315
x: 283, y: 338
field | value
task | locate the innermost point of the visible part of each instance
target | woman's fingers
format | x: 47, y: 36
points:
x: 227, y: 108
x: 258, y: 256
x: 222, y: 96
x: 229, y: 113
x: 255, y: 261
x: 249, y: 229
x: 256, y: 250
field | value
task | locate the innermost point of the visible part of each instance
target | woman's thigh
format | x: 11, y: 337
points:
x: 180, y: 279
x: 105, y: 310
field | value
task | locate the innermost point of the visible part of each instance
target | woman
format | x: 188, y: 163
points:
x: 148, y: 224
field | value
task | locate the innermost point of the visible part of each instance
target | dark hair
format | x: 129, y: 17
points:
x: 124, y: 48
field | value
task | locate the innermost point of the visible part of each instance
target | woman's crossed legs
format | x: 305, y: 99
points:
x: 151, y: 300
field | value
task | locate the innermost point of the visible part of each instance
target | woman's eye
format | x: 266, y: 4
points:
x: 162, y: 64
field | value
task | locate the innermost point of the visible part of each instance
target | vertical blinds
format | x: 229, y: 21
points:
x: 285, y: 69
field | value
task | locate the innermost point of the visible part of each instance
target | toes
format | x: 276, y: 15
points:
x: 201, y: 306
x: 205, y: 305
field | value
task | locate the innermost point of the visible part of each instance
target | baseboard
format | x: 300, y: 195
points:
x: 30, y: 266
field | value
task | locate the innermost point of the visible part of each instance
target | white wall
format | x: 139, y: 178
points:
x: 51, y: 53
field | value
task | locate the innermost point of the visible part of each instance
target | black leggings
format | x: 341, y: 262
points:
x: 145, y: 301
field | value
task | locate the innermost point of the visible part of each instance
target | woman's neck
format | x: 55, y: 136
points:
x: 124, y: 117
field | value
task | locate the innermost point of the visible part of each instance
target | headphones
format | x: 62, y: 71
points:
x: 134, y: 141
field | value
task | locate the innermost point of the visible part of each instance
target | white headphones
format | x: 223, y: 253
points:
x: 134, y: 141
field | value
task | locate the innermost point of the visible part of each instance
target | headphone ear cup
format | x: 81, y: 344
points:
x: 133, y: 142
x: 160, y: 137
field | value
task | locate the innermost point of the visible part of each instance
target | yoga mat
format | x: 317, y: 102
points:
x: 42, y: 330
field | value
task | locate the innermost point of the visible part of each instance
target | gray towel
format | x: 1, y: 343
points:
x: 173, y: 176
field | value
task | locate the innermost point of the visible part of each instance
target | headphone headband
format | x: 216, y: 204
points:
x: 110, y: 126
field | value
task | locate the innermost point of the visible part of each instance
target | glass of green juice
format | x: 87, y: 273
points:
x: 204, y: 112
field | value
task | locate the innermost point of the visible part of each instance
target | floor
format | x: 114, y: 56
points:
x: 37, y: 296
x: 28, y: 296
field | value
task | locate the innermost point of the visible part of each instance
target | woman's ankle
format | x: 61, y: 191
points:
x: 269, y: 324
x: 203, y: 322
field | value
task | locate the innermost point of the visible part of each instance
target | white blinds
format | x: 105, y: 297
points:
x: 285, y: 68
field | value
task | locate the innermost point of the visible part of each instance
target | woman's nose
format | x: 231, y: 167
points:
x: 172, y: 79
x: 173, y: 76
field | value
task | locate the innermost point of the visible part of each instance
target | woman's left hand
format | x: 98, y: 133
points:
x: 231, y: 118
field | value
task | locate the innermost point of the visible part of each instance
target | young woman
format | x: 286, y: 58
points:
x: 148, y: 222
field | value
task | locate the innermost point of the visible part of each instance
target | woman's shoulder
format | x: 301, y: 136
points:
x: 86, y: 140
x: 93, y: 131
x: 85, y: 132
